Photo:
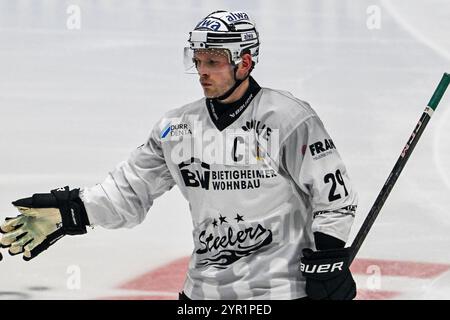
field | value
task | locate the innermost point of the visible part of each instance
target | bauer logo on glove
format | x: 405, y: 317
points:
x: 321, y: 268
x: 327, y: 274
x: 43, y: 220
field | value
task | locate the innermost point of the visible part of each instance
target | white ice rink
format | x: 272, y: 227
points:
x: 75, y: 102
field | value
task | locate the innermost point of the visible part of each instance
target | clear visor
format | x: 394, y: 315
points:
x: 206, y: 60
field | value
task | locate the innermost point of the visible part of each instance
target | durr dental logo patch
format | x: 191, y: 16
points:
x: 176, y: 130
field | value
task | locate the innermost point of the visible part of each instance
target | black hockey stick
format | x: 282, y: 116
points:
x: 395, y: 173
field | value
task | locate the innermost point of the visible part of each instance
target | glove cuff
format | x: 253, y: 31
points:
x: 73, y: 213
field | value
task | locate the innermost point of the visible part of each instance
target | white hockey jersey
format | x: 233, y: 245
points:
x: 261, y: 176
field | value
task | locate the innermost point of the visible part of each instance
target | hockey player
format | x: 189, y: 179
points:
x: 270, y: 198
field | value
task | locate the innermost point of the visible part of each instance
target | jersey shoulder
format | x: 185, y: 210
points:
x: 181, y: 114
x: 283, y: 111
x: 191, y: 108
x: 285, y: 102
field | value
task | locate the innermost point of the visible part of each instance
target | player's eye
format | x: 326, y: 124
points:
x: 207, y: 63
x: 213, y: 63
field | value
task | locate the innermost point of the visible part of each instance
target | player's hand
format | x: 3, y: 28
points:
x: 44, y: 219
x: 33, y: 229
x: 327, y: 274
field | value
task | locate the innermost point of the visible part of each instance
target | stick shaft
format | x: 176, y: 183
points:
x: 399, y: 165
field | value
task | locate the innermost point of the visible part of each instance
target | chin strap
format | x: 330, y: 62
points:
x: 237, y: 83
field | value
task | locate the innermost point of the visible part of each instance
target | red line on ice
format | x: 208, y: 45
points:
x: 421, y: 270
x: 364, y: 294
x: 169, y: 278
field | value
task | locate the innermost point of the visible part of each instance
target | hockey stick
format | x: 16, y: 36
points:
x: 398, y: 167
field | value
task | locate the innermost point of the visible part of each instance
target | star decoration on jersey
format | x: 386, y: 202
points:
x: 223, y: 219
x: 239, y: 218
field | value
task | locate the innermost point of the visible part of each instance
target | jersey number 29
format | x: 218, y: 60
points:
x: 334, y: 179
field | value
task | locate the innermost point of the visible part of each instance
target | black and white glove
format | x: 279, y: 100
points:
x: 327, y: 274
x: 45, y: 218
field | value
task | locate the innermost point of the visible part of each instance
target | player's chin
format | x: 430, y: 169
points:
x: 210, y: 94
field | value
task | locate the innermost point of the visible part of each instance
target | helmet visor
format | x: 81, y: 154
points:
x: 209, y: 60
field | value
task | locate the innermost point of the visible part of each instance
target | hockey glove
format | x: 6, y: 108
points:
x: 45, y: 218
x: 327, y: 274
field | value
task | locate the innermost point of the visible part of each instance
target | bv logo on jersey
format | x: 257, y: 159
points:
x: 225, y: 243
x: 197, y: 178
x: 176, y: 130
x: 196, y: 173
x: 321, y: 149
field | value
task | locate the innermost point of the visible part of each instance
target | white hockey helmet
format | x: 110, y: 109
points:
x: 233, y: 31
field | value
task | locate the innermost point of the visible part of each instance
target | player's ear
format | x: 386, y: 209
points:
x: 245, y: 66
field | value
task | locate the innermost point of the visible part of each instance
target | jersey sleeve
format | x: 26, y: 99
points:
x: 125, y: 196
x: 310, y: 157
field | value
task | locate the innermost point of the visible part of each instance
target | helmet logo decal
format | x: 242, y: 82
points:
x: 248, y: 36
x: 236, y: 16
x: 209, y: 24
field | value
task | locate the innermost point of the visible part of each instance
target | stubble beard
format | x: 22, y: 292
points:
x: 214, y: 92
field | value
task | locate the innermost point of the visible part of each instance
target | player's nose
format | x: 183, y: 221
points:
x: 203, y: 77
x: 202, y: 70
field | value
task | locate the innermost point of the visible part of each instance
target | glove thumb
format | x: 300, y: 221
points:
x: 38, y: 200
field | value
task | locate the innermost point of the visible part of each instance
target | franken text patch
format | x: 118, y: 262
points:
x: 321, y: 149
